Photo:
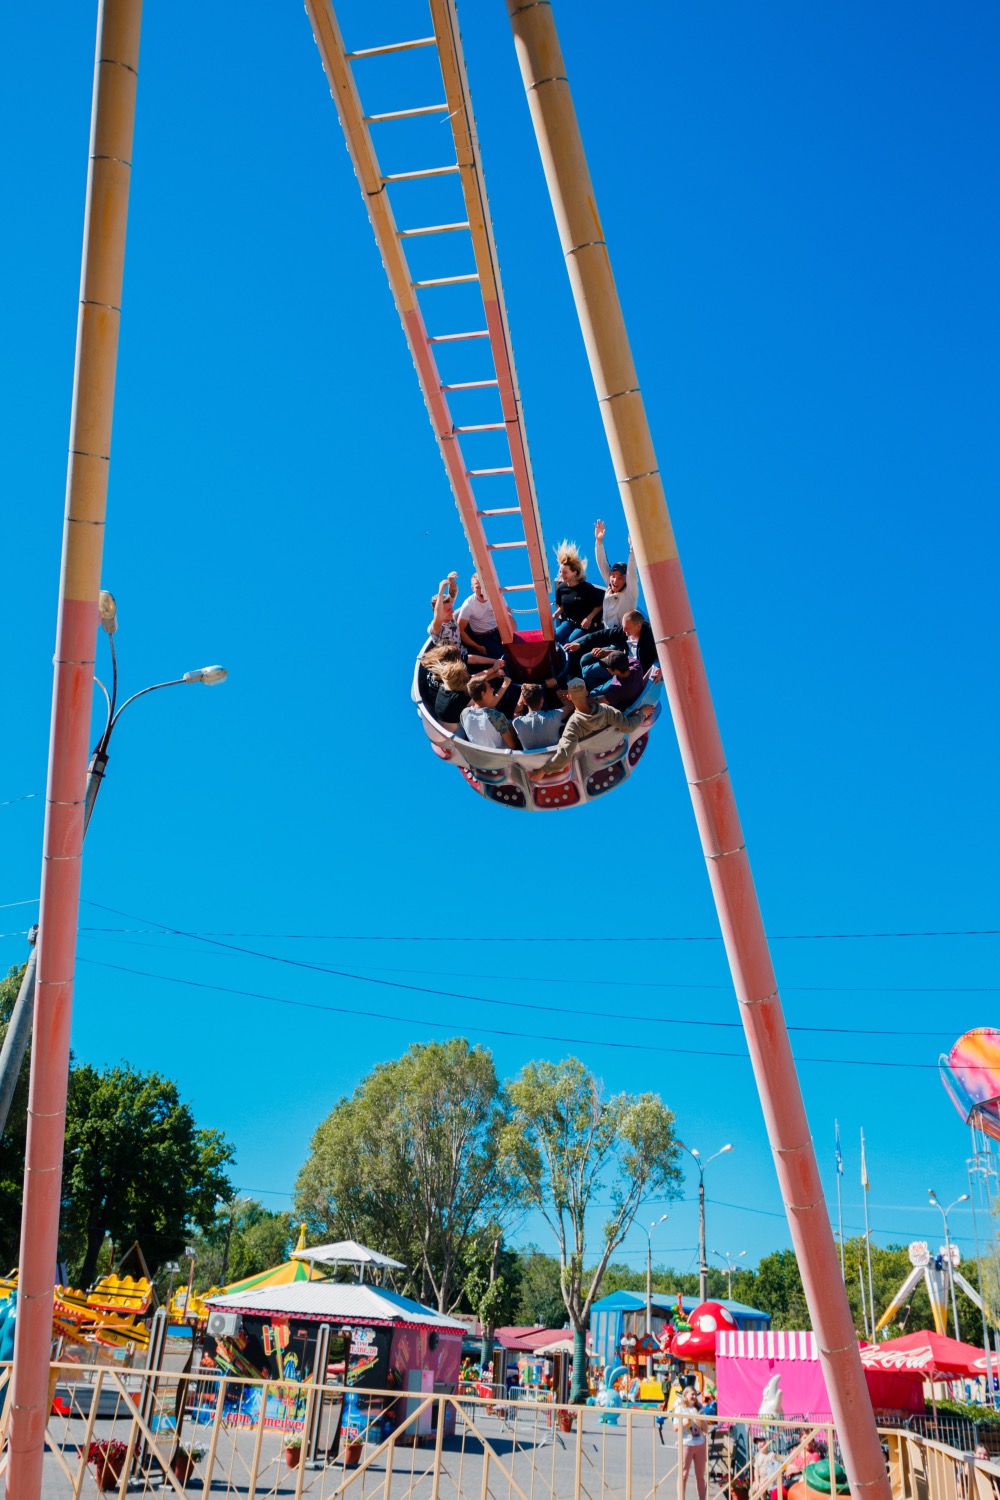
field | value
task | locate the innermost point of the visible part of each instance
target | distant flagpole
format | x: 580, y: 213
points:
x: 868, y: 1237
x: 864, y: 1310
x: 840, y: 1207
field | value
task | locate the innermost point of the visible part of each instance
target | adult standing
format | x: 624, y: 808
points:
x: 691, y: 1437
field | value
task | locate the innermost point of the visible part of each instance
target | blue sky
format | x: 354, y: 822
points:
x: 801, y: 209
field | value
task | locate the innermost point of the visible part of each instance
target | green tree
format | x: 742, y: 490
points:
x: 492, y: 1286
x: 243, y: 1239
x: 13, y: 1140
x: 775, y: 1286
x: 409, y: 1164
x: 539, y: 1301
x: 566, y: 1144
x: 136, y: 1166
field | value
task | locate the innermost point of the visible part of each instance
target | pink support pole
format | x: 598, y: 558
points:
x: 112, y: 117
x: 644, y: 502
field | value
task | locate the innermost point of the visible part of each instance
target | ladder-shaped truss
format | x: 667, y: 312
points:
x: 473, y: 484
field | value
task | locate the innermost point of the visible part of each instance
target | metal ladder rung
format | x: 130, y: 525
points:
x: 423, y: 41
x: 517, y: 588
x: 481, y: 473
x: 483, y: 427
x: 506, y: 510
x: 418, y: 286
x: 470, y: 385
x: 409, y: 234
x: 525, y: 611
x: 424, y: 172
x: 453, y: 338
x: 407, y: 114
x: 503, y: 546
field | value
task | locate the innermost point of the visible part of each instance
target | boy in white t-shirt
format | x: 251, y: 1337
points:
x: 478, y: 623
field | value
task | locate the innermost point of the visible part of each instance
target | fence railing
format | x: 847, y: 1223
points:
x: 133, y: 1432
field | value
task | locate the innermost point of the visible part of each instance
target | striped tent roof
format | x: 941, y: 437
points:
x: 283, y: 1275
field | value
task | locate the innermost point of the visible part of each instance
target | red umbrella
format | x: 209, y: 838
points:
x: 929, y: 1355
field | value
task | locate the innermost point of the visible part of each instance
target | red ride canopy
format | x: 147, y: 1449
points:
x: 931, y: 1356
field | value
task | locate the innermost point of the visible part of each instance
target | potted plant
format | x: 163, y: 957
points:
x: 565, y: 1419
x: 293, y: 1449
x: 353, y: 1449
x: 186, y: 1455
x: 108, y: 1457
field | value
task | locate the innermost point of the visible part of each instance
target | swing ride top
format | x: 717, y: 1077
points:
x: 504, y: 530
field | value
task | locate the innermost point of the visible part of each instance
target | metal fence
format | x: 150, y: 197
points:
x: 133, y: 1432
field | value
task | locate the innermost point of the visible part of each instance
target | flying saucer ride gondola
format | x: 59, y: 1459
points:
x: 455, y: 322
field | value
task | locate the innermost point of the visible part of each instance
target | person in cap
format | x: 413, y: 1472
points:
x: 621, y: 579
x: 588, y: 718
x: 627, y: 678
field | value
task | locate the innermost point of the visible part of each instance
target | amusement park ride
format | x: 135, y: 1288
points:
x: 454, y: 317
x: 457, y: 366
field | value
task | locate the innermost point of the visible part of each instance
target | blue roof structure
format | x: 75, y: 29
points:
x: 667, y: 1301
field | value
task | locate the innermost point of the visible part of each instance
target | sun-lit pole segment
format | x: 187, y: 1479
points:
x: 640, y: 483
x: 112, y: 117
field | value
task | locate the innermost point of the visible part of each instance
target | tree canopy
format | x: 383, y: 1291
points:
x: 410, y: 1162
x: 136, y: 1166
x: 565, y: 1143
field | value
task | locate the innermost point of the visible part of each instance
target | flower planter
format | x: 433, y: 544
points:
x: 293, y: 1456
x: 108, y: 1472
x: 565, y: 1421
x: 352, y: 1455
x: 183, y: 1467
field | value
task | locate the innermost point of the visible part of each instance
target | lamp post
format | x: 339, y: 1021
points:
x: 189, y: 1251
x: 701, y: 1165
x: 173, y: 1270
x: 19, y: 1031
x: 649, y: 1279
x: 963, y: 1198
x: 731, y: 1266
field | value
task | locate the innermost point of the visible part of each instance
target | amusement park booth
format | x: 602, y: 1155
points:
x: 623, y: 1313
x: 747, y: 1361
x: 395, y: 1343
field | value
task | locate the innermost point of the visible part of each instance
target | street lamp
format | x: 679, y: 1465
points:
x: 731, y: 1266
x: 649, y: 1279
x: 19, y: 1028
x: 964, y: 1198
x: 701, y: 1165
x: 173, y: 1269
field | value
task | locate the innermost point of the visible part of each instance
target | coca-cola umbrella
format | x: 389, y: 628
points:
x: 927, y: 1355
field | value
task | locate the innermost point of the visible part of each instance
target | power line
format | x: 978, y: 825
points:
x: 24, y: 797
x: 970, y: 932
x: 638, y: 984
x: 343, y: 1010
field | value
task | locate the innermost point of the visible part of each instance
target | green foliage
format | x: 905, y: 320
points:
x: 136, y: 1167
x: 972, y: 1411
x: 776, y: 1288
x: 539, y: 1300
x: 492, y: 1283
x: 243, y: 1239
x: 410, y: 1162
x: 13, y: 1140
x: 566, y: 1143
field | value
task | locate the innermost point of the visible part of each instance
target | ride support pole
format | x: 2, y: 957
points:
x: 106, y: 212
x: 627, y: 429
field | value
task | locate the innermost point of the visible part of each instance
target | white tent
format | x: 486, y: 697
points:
x: 334, y: 1302
x: 349, y: 1253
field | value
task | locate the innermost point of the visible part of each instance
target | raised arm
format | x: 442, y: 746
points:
x: 599, y: 552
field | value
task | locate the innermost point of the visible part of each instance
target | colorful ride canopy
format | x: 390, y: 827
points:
x: 971, y: 1074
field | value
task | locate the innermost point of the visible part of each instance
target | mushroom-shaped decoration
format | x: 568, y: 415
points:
x: 698, y: 1343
